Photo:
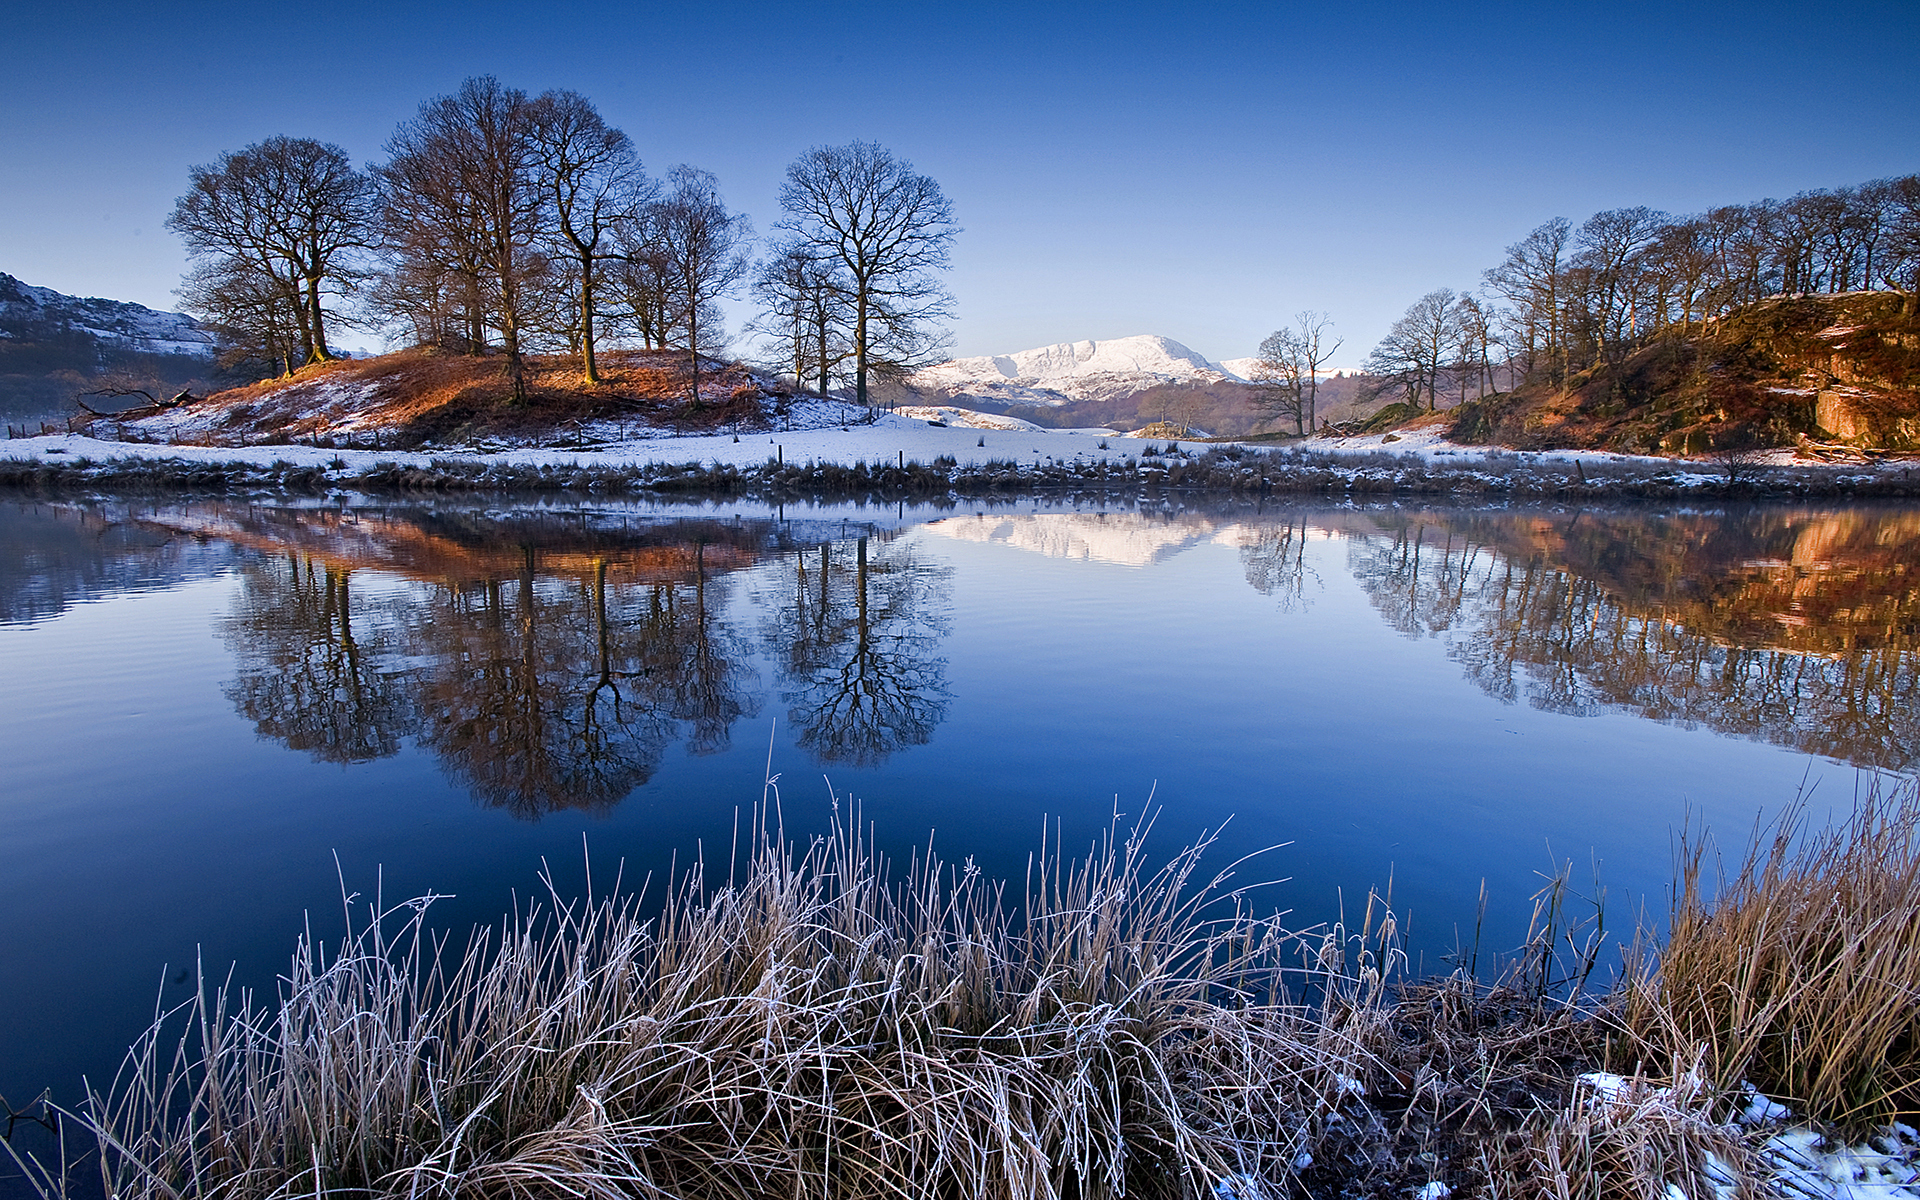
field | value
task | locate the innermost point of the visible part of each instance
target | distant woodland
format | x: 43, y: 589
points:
x: 502, y: 223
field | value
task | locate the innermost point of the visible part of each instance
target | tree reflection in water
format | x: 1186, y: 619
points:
x: 1793, y: 627
x: 557, y: 682
x: 1274, y: 554
x: 305, y: 678
x: 857, y: 650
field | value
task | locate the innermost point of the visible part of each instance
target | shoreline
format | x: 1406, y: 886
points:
x: 896, y: 459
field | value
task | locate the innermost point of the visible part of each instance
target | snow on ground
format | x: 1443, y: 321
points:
x: 1805, y: 1163
x: 820, y: 438
x: 885, y: 440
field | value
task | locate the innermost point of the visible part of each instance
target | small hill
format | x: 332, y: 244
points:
x: 418, y: 398
x: 1840, y: 370
x: 54, y: 347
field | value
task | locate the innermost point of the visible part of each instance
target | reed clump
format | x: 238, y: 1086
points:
x: 818, y: 1025
x: 813, y: 1027
x: 1801, y: 971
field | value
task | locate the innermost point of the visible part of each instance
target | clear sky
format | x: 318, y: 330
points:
x: 1198, y: 172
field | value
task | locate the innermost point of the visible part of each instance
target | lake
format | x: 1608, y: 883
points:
x: 216, y: 716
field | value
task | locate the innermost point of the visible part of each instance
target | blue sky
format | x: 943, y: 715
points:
x: 1200, y: 172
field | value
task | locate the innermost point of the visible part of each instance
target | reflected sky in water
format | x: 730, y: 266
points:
x: 206, y: 704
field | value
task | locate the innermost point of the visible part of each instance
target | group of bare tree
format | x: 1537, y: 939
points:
x: 1566, y: 298
x: 1286, y: 373
x: 503, y: 221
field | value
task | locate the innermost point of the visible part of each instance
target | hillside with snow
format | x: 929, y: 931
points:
x: 54, y: 347
x: 38, y: 313
x: 1061, y: 374
x: 1120, y: 383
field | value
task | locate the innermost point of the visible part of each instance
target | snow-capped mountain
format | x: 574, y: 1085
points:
x: 29, y: 313
x: 1061, y: 374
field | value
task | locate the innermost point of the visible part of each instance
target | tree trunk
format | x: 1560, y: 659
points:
x: 317, y: 352
x: 860, y: 348
x: 588, y: 365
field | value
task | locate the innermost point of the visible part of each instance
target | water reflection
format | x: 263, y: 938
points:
x: 551, y: 661
x: 53, y: 556
x: 857, y: 647
x: 1796, y: 627
x: 304, y: 677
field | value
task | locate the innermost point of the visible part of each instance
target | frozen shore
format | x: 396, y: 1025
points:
x: 896, y: 454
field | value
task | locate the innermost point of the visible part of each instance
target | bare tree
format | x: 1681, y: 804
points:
x: 1532, y: 280
x: 1415, y: 350
x: 804, y: 308
x: 463, y: 195
x: 1613, y: 245
x: 279, y: 222
x: 1317, y: 348
x: 891, y: 230
x: 594, y: 182
x: 705, y: 249
x: 1279, y: 376
x: 1473, y: 346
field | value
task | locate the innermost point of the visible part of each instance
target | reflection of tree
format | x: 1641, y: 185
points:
x: 1738, y: 627
x: 696, y: 663
x: 856, y: 651
x: 523, y: 695
x: 305, y: 678
x: 1275, y: 558
x: 1418, y: 577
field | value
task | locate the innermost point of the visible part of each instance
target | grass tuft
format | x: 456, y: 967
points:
x: 1801, y: 972
x: 815, y: 1026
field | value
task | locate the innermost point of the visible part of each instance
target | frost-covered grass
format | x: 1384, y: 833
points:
x: 1801, y: 970
x: 818, y: 1025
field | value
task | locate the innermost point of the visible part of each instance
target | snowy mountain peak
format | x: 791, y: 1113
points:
x: 1066, y: 371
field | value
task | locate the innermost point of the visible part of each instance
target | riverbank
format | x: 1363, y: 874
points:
x: 896, y: 458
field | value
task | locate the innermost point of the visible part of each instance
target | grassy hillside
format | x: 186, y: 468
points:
x: 416, y: 398
x: 1811, y: 370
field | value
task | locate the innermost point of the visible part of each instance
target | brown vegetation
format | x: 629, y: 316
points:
x: 416, y: 397
x: 1788, y: 371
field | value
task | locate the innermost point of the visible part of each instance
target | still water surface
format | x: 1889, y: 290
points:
x: 212, y: 714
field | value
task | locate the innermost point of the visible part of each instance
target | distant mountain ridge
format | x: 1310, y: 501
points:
x: 1068, y: 372
x: 54, y: 347
x: 1121, y: 383
x: 29, y: 312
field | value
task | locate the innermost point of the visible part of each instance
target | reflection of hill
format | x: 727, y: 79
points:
x: 474, y: 546
x: 53, y: 556
x: 1798, y: 627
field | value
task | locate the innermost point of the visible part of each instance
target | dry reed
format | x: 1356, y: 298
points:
x: 818, y: 1026
x: 811, y: 1028
x: 1801, y: 972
